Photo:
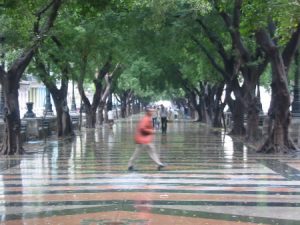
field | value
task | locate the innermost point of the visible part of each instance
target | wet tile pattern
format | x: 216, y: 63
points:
x: 210, y: 179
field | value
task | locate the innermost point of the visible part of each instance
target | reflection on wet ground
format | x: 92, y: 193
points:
x: 210, y: 179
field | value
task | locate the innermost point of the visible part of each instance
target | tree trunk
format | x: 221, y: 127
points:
x: 64, y: 122
x: 253, y: 133
x: 100, y: 113
x: 238, y: 111
x: 210, y: 106
x: 90, y: 117
x: 135, y: 106
x: 217, y: 120
x: 128, y: 109
x: 197, y: 107
x: 203, y: 108
x: 218, y: 107
x: 236, y: 106
x: 123, y: 107
x: 252, y: 107
x: 12, y: 143
x: 278, y: 140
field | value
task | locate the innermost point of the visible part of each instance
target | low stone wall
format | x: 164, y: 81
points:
x: 40, y: 127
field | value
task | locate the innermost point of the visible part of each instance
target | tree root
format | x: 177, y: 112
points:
x: 269, y: 147
x: 237, y: 133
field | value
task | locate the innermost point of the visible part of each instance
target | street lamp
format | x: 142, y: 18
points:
x: 73, y: 103
x: 48, y: 105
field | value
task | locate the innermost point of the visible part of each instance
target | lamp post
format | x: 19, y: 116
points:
x: 48, y: 105
x: 296, y: 101
x: 2, y: 39
x: 73, y: 102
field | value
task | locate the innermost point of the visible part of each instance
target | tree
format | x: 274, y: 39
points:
x: 94, y: 53
x: 253, y: 63
x: 238, y: 59
x: 59, y: 50
x: 45, y: 15
x: 59, y: 95
x: 279, y: 39
x: 278, y: 139
x: 133, y: 83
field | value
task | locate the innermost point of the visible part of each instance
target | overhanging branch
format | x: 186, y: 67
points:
x: 291, y: 48
x: 213, y: 39
x: 44, y: 75
x: 233, y: 25
x: 211, y: 58
x: 22, y: 62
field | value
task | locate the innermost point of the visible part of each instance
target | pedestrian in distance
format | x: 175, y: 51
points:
x: 163, y: 117
x: 143, y: 137
x: 110, y: 117
x: 154, y: 118
x: 158, y: 117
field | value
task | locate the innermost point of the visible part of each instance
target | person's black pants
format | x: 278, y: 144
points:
x: 164, y: 124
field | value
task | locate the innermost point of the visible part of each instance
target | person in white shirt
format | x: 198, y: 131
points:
x: 154, y: 118
x: 110, y: 115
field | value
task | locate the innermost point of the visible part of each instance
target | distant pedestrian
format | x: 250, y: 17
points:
x: 143, y: 138
x: 158, y: 118
x: 186, y: 112
x: 163, y: 116
x: 181, y: 112
x: 154, y: 118
x: 110, y: 117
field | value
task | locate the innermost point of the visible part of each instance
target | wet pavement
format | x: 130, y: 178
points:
x: 209, y: 179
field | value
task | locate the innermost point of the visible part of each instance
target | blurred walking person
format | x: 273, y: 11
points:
x: 143, y: 138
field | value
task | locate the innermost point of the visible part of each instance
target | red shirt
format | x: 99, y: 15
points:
x: 144, y: 131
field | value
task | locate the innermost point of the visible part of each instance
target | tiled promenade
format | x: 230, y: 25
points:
x: 209, y: 180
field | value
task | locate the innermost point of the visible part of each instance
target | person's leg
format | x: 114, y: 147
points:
x: 138, y: 149
x: 153, y: 154
x: 163, y: 124
x: 166, y: 125
x: 111, y: 123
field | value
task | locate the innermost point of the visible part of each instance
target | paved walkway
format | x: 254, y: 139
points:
x: 210, y: 179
